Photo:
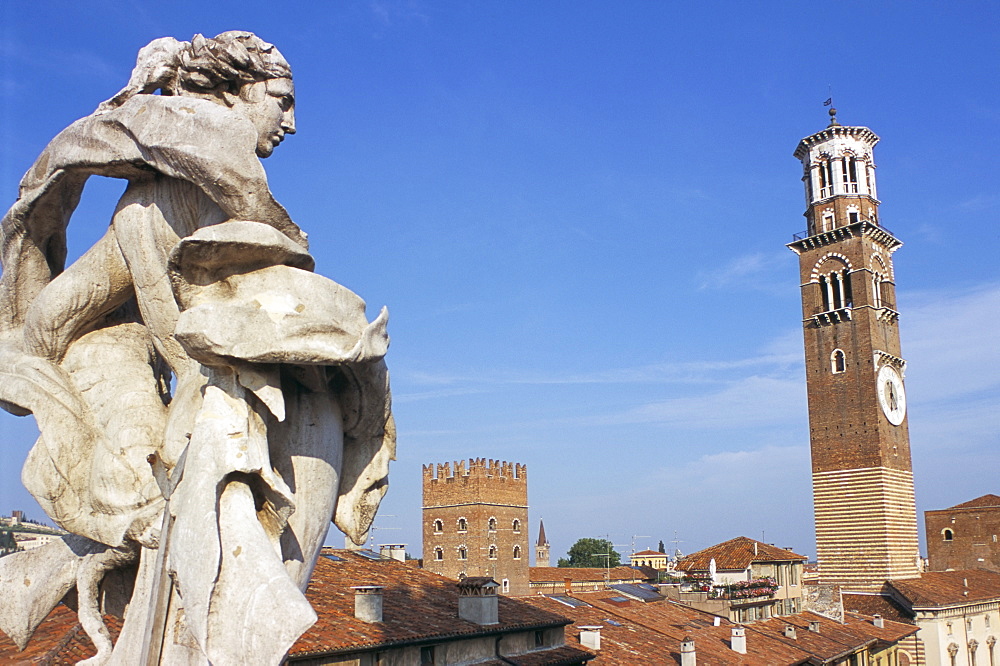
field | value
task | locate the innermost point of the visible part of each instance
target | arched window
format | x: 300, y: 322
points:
x: 947, y: 534
x: 516, y: 525
x: 493, y: 524
x: 849, y: 164
x: 836, y: 290
x: 493, y: 552
x: 838, y: 362
x: 517, y: 552
x: 438, y: 526
x: 463, y: 525
x: 463, y: 554
x: 826, y: 179
x: 438, y: 554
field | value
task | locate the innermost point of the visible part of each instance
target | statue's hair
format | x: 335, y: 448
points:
x: 204, y: 67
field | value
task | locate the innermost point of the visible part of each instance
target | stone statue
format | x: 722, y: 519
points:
x: 207, y: 404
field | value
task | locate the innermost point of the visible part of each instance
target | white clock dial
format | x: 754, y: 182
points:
x: 891, y: 395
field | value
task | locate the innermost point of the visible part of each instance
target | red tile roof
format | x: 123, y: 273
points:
x: 650, y: 634
x: 935, y: 589
x: 737, y: 554
x: 649, y: 553
x: 986, y: 501
x: 585, y: 575
x: 875, y: 604
x: 417, y: 606
x: 59, y: 640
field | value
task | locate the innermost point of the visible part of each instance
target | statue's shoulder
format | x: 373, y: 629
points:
x: 162, y: 116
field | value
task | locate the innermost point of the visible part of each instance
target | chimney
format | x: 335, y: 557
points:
x: 878, y: 621
x: 814, y: 626
x: 590, y: 636
x: 739, y: 640
x: 393, y: 551
x: 568, y: 582
x: 477, y: 600
x: 716, y: 621
x: 790, y: 631
x: 368, y: 602
x: 688, y: 656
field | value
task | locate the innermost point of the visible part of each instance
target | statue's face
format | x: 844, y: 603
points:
x: 270, y: 106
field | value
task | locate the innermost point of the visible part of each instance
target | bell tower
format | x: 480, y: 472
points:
x: 866, y: 523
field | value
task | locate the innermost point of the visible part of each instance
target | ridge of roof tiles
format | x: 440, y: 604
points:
x: 584, y: 574
x: 736, y: 554
x: 988, y: 501
x: 649, y: 553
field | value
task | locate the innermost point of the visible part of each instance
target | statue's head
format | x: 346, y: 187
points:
x: 236, y: 68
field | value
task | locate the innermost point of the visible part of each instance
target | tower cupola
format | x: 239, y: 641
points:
x: 839, y: 177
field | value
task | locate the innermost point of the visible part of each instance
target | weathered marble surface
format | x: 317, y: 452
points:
x: 189, y: 361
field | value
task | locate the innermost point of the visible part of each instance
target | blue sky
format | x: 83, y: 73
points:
x: 576, y: 213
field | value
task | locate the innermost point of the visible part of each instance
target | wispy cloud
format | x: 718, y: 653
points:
x: 751, y: 271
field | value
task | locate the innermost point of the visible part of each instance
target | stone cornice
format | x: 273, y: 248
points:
x: 879, y: 234
x: 833, y: 131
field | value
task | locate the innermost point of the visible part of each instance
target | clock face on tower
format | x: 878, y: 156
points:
x: 891, y: 395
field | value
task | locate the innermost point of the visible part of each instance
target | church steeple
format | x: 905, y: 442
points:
x: 542, y: 547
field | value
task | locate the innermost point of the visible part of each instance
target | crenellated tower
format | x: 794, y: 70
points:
x: 866, y: 524
x: 475, y: 521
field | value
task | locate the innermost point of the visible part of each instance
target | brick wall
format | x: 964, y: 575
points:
x: 491, y: 497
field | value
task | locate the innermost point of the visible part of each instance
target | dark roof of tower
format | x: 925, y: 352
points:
x: 542, y: 541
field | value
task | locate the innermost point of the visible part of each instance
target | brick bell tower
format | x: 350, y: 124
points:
x: 866, y: 522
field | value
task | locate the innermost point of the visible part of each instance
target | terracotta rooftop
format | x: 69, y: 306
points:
x: 984, y: 502
x: 634, y: 633
x: 737, y: 554
x: 649, y: 553
x: 59, y: 640
x: 872, y: 604
x: 418, y: 606
x: 948, y: 588
x: 584, y: 574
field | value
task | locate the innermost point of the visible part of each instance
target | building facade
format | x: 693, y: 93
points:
x: 742, y: 579
x: 865, y: 513
x: 475, y: 521
x: 965, y: 536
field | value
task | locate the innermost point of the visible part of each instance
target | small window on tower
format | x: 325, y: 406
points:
x: 438, y: 526
x: 463, y: 525
x: 438, y: 554
x: 838, y: 362
x: 517, y: 552
x: 493, y: 524
x: 853, y: 217
x: 493, y: 552
x: 505, y: 586
x: 516, y: 525
x: 948, y: 534
x: 463, y: 554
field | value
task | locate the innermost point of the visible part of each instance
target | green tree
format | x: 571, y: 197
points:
x: 591, y: 553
